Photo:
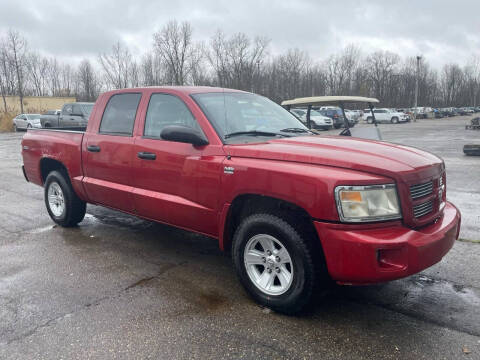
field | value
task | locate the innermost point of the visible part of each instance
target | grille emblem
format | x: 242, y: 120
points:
x: 228, y: 170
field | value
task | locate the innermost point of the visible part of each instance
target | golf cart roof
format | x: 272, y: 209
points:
x: 320, y: 100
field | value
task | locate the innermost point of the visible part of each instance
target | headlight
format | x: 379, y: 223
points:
x: 367, y: 203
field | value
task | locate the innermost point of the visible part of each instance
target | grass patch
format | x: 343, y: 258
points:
x: 6, y: 123
x: 470, y: 241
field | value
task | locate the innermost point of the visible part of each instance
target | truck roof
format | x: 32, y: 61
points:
x: 180, y: 89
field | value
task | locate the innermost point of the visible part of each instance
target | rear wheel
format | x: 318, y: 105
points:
x: 394, y: 120
x: 275, y: 263
x: 369, y: 120
x: 15, y: 127
x: 63, y: 205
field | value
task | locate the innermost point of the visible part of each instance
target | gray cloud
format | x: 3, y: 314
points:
x: 443, y: 31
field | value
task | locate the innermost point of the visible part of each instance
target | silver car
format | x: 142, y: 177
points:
x: 26, y: 121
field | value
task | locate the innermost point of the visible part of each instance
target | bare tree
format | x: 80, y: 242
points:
x: 16, y: 47
x: 450, y: 83
x: 5, y: 74
x: 37, y: 71
x: 117, y: 66
x: 381, y: 65
x: 237, y: 61
x: 175, y: 47
x: 88, y: 86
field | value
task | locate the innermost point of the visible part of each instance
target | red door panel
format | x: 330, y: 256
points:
x: 179, y: 187
x: 108, y: 172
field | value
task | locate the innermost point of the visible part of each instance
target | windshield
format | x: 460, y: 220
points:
x: 232, y: 112
x: 315, y: 113
x: 33, y: 116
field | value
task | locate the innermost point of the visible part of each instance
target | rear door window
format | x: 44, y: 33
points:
x: 77, y: 110
x: 119, y: 115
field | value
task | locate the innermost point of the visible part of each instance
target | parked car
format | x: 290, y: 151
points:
x: 353, y: 115
x: 467, y: 110
x: 318, y: 121
x: 422, y: 112
x: 297, y: 210
x: 438, y: 114
x: 26, y: 121
x: 335, y: 113
x: 385, y: 116
x: 72, y: 115
x: 446, y: 112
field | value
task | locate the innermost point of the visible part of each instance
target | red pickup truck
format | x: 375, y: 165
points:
x: 296, y: 209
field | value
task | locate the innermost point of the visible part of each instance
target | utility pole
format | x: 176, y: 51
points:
x: 416, y: 89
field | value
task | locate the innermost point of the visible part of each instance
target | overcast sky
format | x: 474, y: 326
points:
x: 442, y: 31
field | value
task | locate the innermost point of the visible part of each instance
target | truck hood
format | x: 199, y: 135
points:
x: 398, y: 162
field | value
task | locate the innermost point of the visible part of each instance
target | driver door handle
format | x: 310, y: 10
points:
x: 93, y: 148
x: 146, y: 155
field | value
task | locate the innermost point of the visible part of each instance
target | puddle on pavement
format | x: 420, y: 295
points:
x: 41, y: 230
x: 436, y: 300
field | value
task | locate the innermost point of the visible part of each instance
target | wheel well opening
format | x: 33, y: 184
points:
x: 48, y: 165
x: 248, y: 204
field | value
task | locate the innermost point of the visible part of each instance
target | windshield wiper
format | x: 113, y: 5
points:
x: 254, y: 133
x: 296, y: 130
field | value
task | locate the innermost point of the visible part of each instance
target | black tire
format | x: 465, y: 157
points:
x: 15, y: 127
x: 74, y: 208
x: 394, y: 120
x: 369, y: 120
x: 300, y: 293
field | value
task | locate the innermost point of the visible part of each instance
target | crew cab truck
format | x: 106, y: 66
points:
x: 72, y: 115
x: 296, y: 209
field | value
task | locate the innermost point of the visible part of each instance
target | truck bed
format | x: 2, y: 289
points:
x: 43, y: 147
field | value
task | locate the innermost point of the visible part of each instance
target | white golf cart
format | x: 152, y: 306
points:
x: 339, y: 101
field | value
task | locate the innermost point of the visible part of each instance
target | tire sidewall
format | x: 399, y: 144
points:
x: 302, y: 274
x: 369, y: 120
x: 57, y: 177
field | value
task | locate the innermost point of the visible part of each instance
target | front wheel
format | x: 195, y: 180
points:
x: 274, y: 263
x: 15, y: 127
x: 394, y: 120
x: 63, y: 205
x: 369, y: 120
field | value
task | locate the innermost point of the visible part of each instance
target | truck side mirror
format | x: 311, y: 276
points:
x: 183, y: 134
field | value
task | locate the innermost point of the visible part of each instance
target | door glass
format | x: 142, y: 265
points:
x: 119, y: 115
x: 77, y: 110
x: 165, y: 110
x: 67, y: 110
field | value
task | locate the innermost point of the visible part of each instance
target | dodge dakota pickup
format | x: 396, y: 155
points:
x: 297, y: 210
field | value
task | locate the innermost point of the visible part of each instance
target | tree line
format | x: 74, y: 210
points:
x: 236, y: 61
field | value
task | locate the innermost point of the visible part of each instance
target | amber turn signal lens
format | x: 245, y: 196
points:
x: 351, y: 196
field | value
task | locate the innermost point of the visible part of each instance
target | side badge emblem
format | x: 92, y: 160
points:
x: 228, y: 170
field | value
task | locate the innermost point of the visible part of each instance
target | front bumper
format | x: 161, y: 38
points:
x: 356, y: 255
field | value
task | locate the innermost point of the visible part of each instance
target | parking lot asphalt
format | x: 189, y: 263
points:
x: 120, y: 287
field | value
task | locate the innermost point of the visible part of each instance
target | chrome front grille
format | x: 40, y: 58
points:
x: 421, y: 190
x: 423, y: 209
